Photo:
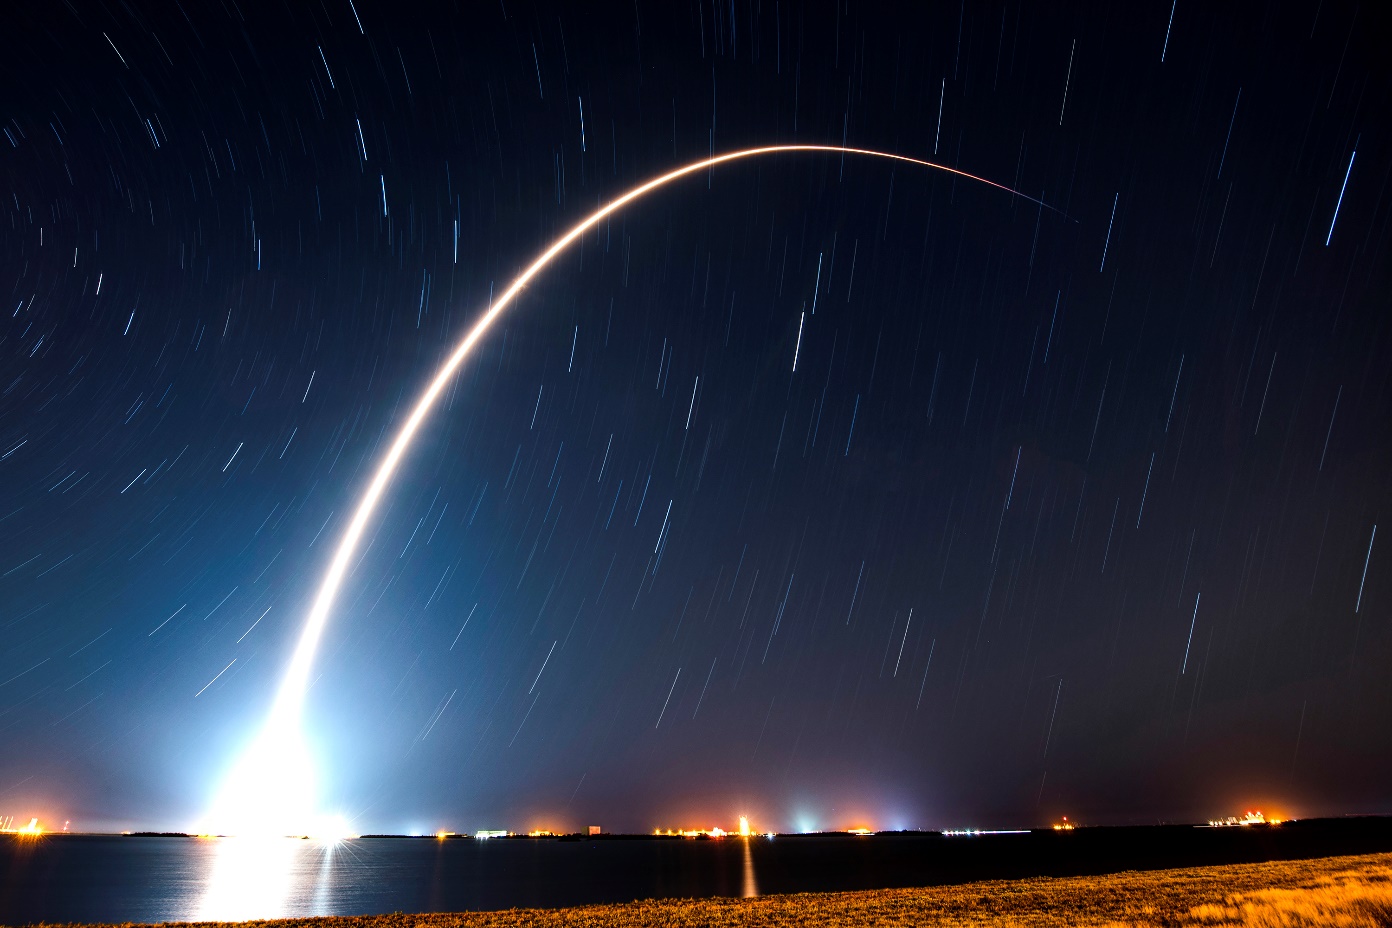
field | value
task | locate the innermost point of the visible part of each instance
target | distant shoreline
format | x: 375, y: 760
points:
x: 1374, y: 820
x: 1306, y: 892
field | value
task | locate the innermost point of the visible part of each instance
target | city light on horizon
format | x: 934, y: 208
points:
x: 1248, y: 818
x: 32, y: 829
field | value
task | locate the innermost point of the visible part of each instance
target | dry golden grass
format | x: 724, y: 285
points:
x: 1348, y: 899
x: 1347, y: 892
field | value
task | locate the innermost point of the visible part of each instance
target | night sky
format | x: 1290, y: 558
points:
x: 1063, y: 511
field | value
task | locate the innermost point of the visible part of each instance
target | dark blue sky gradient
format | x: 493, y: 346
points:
x: 638, y: 571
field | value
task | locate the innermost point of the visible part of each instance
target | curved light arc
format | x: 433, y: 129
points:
x: 292, y: 691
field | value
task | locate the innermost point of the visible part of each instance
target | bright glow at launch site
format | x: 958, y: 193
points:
x: 271, y: 790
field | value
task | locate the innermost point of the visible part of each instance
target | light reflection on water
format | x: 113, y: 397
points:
x: 261, y: 878
x: 74, y: 879
x: 265, y: 878
x: 751, y: 886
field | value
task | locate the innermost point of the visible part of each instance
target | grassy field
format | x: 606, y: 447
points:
x: 1348, y: 892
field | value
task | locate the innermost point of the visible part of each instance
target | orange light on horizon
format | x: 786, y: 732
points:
x: 1253, y: 817
x: 714, y: 831
x: 33, y: 829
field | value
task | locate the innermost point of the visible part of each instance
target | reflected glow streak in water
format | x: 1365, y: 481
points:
x: 751, y: 885
x: 254, y: 878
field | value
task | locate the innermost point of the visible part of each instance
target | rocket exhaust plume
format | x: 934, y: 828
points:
x: 255, y: 787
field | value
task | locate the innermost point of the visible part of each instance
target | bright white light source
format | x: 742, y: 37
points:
x: 271, y: 790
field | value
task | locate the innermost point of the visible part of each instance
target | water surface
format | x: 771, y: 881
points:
x: 81, y: 878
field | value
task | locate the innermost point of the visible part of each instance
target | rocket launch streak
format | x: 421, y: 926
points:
x: 283, y: 725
